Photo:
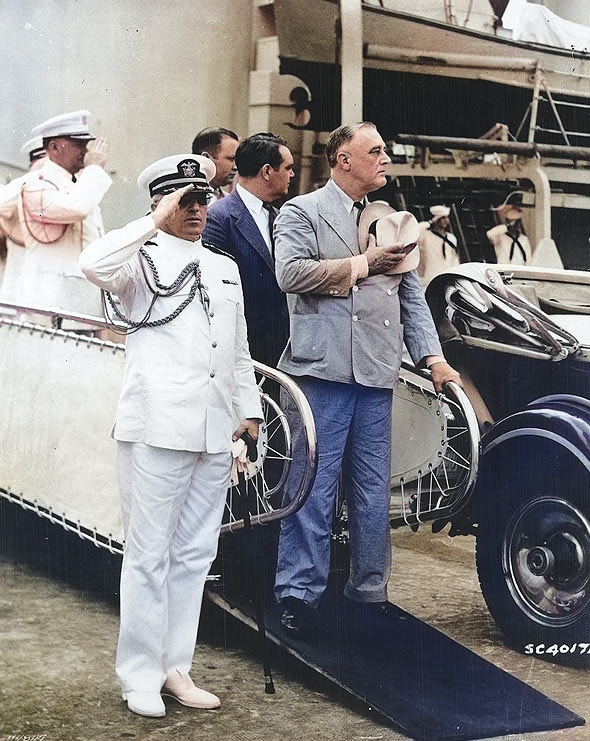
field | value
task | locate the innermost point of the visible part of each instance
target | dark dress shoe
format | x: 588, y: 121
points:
x: 293, y: 615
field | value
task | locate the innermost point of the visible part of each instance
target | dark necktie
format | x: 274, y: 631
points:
x: 272, y: 215
x: 359, y: 205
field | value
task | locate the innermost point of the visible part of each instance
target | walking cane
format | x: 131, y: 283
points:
x: 263, y: 643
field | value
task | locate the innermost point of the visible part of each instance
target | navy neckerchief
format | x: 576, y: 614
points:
x: 445, y: 240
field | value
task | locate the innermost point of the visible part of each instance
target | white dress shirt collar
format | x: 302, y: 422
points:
x: 257, y: 211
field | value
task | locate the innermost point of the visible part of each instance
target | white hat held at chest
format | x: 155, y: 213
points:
x: 390, y: 227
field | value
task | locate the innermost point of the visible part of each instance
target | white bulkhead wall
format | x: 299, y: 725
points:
x: 570, y: 10
x: 151, y: 73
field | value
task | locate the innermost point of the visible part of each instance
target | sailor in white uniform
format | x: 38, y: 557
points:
x: 438, y: 245
x: 188, y: 391
x: 510, y: 243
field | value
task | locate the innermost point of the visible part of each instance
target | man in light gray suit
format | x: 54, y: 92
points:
x: 349, y: 320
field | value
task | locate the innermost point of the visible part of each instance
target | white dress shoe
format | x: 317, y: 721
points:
x: 182, y: 688
x: 149, y: 704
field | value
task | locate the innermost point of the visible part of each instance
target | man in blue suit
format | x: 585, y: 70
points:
x: 241, y: 224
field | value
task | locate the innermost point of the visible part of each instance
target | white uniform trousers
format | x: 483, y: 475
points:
x: 172, y: 504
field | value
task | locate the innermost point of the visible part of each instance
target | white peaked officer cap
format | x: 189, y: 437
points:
x: 74, y: 125
x: 177, y: 171
x: 34, y: 148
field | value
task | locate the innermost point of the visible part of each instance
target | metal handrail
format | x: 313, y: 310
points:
x: 18, y: 315
x: 309, y: 454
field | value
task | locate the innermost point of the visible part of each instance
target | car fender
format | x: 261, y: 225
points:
x: 561, y: 422
x: 561, y: 418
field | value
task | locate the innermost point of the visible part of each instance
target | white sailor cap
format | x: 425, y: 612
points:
x: 178, y: 171
x: 74, y: 125
x: 438, y: 212
x: 34, y: 148
x: 509, y: 211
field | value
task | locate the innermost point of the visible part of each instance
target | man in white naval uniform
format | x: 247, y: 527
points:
x: 188, y: 391
x: 11, y: 226
x: 59, y: 215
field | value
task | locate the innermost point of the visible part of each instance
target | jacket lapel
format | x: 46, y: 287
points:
x: 332, y: 211
x: 246, y: 225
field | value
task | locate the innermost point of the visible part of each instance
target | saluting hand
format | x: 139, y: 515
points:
x: 96, y: 153
x: 163, y: 207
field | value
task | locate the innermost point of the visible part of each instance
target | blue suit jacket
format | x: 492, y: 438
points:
x: 231, y: 228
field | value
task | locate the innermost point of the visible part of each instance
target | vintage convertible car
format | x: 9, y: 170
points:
x: 521, y: 339
x: 506, y: 460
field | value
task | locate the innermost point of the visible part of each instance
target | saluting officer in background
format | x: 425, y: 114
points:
x: 59, y: 215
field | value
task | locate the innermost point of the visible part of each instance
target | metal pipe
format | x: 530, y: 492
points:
x: 522, y: 149
x: 535, y: 105
x: 417, y: 56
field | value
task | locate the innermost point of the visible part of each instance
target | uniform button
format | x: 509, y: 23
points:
x: 212, y: 374
x: 389, y: 291
x: 386, y: 322
x: 355, y: 288
x: 214, y: 344
x: 355, y: 318
x: 211, y: 314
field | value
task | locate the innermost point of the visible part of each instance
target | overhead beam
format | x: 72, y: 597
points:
x: 351, y: 60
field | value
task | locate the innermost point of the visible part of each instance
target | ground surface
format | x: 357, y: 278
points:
x: 57, y: 648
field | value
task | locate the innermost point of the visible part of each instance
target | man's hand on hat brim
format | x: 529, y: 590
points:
x: 383, y: 259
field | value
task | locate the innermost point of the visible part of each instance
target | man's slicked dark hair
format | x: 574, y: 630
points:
x: 259, y: 150
x: 209, y: 139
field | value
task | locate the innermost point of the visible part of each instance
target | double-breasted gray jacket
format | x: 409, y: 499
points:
x: 338, y: 332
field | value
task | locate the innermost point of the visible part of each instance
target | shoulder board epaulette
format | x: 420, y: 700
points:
x: 217, y: 251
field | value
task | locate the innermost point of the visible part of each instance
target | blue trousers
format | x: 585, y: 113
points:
x: 353, y: 425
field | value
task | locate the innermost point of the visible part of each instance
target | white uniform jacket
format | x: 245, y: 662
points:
x: 10, y: 227
x: 58, y: 219
x: 503, y: 246
x: 190, y: 381
x: 435, y: 255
